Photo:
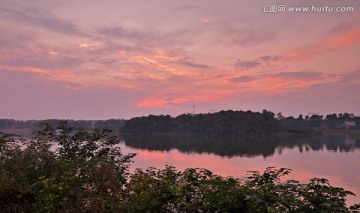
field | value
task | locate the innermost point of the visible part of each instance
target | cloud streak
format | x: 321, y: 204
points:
x: 301, y: 75
x: 35, y: 16
x: 242, y: 79
x: 264, y: 61
x: 332, y: 43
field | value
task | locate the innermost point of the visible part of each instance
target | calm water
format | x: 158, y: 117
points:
x: 336, y: 158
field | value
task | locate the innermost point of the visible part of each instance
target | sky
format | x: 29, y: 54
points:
x: 90, y: 59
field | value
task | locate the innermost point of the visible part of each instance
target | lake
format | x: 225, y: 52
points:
x: 334, y: 157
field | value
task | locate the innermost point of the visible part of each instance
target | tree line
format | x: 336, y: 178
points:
x: 223, y: 122
x: 237, y: 122
x: 112, y: 124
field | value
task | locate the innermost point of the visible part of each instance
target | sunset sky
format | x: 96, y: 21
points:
x: 91, y: 59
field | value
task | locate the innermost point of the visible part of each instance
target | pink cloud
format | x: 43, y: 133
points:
x: 332, y: 43
x: 62, y: 76
x: 162, y: 103
x: 25, y: 69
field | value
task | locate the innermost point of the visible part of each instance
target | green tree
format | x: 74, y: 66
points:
x: 86, y: 173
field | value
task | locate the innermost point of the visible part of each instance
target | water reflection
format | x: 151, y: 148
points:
x: 335, y: 157
x: 241, y: 145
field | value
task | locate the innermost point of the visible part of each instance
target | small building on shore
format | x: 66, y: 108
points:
x: 348, y: 124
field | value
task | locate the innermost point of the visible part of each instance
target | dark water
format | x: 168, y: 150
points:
x: 335, y: 157
x: 239, y: 146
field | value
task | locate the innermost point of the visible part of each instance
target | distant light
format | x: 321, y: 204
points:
x: 85, y: 45
x: 53, y: 53
x: 205, y: 20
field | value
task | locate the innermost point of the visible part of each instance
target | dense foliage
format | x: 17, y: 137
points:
x: 236, y: 122
x: 224, y: 122
x: 88, y: 173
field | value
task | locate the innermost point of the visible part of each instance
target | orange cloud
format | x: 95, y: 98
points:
x: 343, y: 40
x: 85, y: 45
x: 147, y: 60
x: 162, y: 103
x: 279, y: 84
x: 179, y: 100
x: 152, y: 102
x: 26, y: 69
x: 62, y: 75
x: 53, y: 52
x: 189, y: 95
x: 161, y: 61
x: 54, y: 74
x: 332, y: 43
x: 166, y: 56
